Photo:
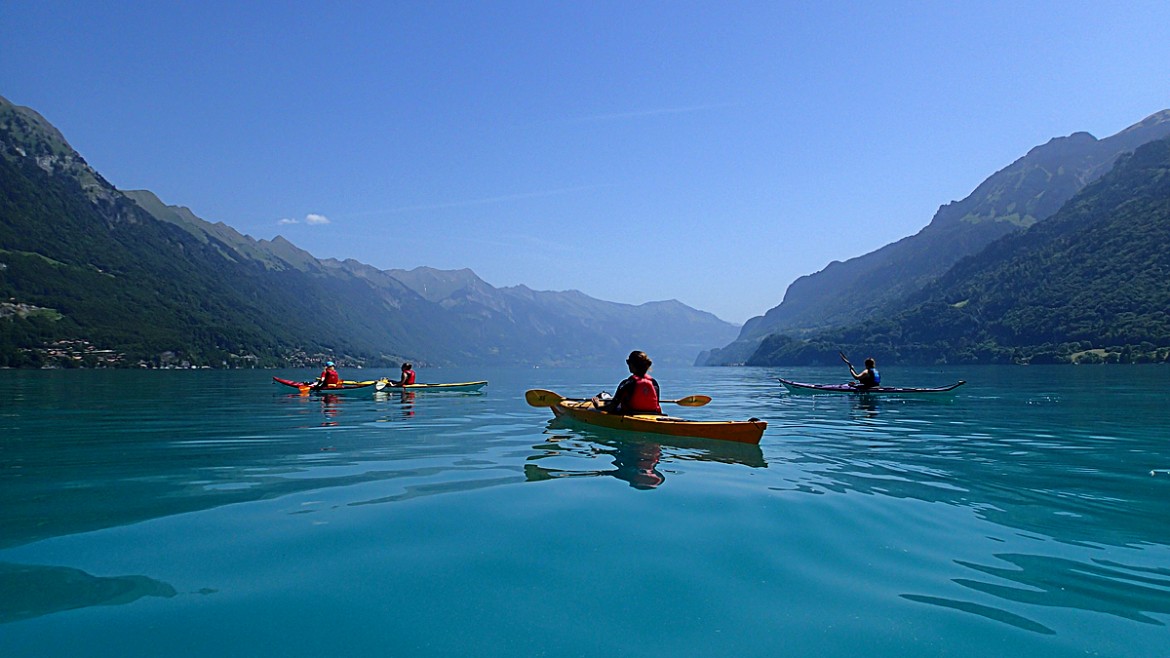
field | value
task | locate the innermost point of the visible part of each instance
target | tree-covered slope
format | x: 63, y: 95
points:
x: 1086, y: 285
x: 1016, y: 197
x: 81, y: 261
x: 91, y: 275
x: 114, y: 276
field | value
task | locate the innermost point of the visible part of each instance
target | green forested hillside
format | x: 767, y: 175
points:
x: 91, y: 275
x: 1087, y: 285
x: 876, y: 284
x: 88, y: 276
x: 117, y: 278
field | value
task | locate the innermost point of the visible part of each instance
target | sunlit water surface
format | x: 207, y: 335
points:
x: 214, y: 513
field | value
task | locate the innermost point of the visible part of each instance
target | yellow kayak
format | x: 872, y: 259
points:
x: 740, y: 431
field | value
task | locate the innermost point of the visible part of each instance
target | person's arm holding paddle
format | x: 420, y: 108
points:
x: 866, y: 378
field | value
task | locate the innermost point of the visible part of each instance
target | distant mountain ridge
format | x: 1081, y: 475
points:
x: 579, y: 324
x: 1087, y: 285
x: 90, y: 271
x: 1027, y: 191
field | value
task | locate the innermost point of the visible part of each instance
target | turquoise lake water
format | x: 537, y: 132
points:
x: 208, y: 513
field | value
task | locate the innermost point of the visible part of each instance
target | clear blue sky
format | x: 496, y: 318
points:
x: 710, y: 152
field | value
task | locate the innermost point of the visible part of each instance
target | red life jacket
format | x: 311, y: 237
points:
x: 330, y: 378
x: 643, y: 398
x: 409, y: 374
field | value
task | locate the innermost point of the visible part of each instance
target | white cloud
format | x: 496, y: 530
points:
x: 313, y: 219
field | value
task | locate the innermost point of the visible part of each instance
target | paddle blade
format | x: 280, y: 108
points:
x: 542, y: 398
x: 380, y: 385
x: 691, y: 400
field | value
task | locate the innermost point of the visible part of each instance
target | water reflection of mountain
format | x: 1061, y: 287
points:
x: 1047, y: 486
x: 82, y: 463
x: 1101, y: 586
x: 635, y: 457
x: 1098, y: 586
x: 34, y: 590
x: 1070, y: 474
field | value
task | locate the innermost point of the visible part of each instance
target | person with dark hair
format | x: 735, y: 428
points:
x: 407, y: 376
x: 637, y: 394
x: 867, y: 378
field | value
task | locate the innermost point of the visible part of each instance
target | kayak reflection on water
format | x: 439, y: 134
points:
x: 868, y: 404
x: 638, y: 465
x: 635, y: 462
x: 636, y: 458
x: 330, y: 407
x: 404, y: 398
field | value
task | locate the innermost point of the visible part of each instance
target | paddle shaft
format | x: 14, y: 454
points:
x: 851, y: 370
x: 542, y: 398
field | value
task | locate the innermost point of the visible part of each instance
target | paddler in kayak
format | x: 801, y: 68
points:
x: 867, y: 378
x: 328, y: 377
x: 407, y: 376
x: 638, y: 393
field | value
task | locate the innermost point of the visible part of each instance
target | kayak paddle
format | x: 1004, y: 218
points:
x: 541, y: 398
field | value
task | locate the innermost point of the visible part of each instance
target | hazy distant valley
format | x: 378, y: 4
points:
x: 1054, y: 259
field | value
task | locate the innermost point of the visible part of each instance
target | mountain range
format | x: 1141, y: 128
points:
x: 887, y: 282
x: 1054, y: 259
x: 96, y: 276
x: 1087, y: 285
